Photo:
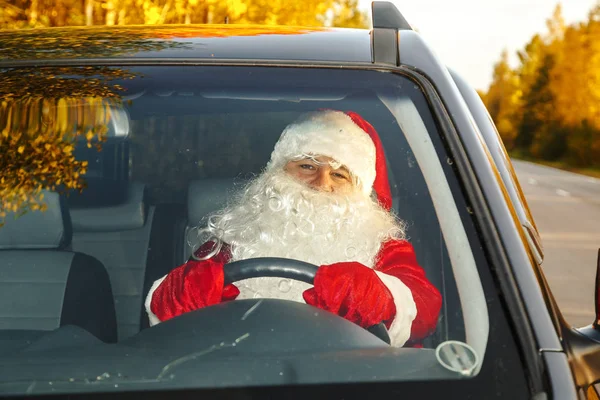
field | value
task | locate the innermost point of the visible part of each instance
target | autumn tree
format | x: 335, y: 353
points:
x: 576, y: 87
x: 501, y: 99
x: 532, y: 74
x: 554, y: 111
x: 346, y: 14
x: 55, y: 13
x: 540, y: 133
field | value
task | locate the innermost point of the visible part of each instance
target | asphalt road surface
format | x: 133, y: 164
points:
x: 566, y: 209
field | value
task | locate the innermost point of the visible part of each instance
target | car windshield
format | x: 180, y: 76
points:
x: 113, y: 174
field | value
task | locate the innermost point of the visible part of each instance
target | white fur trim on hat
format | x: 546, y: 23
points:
x: 332, y: 134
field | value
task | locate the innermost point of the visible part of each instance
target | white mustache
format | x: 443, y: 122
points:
x: 277, y: 216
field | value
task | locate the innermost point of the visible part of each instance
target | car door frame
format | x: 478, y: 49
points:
x: 556, y: 361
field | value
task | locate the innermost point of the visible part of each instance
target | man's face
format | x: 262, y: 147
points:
x: 318, y: 173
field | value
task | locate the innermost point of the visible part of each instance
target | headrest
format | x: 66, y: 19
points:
x: 209, y: 195
x: 50, y: 229
x: 128, y: 214
x: 99, y: 192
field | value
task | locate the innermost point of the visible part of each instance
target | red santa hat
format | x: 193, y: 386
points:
x: 344, y: 136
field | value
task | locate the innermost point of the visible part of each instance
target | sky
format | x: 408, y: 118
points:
x: 469, y: 35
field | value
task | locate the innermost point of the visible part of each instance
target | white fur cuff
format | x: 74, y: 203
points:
x: 151, y: 316
x: 406, y: 309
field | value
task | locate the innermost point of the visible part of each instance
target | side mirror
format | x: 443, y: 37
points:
x: 596, y: 323
x: 593, y: 331
x: 583, y: 344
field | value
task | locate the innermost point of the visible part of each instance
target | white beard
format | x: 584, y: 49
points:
x: 277, y: 216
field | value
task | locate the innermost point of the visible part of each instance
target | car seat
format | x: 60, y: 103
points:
x: 117, y: 232
x: 44, y: 285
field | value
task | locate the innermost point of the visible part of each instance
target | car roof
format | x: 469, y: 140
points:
x: 234, y: 42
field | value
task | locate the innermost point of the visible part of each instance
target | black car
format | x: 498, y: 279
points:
x: 117, y: 142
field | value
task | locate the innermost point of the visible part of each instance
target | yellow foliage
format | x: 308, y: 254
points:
x: 548, y: 107
x: 43, y: 113
x: 229, y: 30
x: 37, y: 152
x: 578, y: 67
x: 52, y: 13
x: 502, y: 99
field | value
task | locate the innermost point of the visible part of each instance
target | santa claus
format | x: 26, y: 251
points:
x: 313, y: 202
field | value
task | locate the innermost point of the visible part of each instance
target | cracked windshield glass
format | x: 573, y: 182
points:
x: 223, y: 226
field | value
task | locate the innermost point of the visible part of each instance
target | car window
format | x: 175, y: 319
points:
x: 114, y: 171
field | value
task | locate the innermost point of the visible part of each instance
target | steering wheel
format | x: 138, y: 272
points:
x: 284, y: 268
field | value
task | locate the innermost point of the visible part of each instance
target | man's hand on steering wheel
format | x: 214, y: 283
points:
x: 191, y: 286
x: 352, y: 291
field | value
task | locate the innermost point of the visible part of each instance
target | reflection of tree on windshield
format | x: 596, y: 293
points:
x: 222, y: 31
x: 44, y: 112
x: 79, y: 43
x: 119, y: 42
x: 61, y: 82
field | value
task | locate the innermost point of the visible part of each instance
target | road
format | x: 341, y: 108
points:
x: 566, y: 209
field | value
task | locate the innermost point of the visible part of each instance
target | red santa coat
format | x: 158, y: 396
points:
x: 416, y: 300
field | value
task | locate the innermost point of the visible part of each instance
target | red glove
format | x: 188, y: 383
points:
x: 193, y: 285
x: 353, y: 291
